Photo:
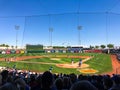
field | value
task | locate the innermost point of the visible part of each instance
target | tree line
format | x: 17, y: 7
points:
x: 102, y: 46
x: 91, y: 47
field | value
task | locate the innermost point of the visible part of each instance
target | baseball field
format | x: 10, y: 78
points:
x: 92, y: 63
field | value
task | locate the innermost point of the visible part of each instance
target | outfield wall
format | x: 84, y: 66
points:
x: 21, y: 51
x: 12, y: 51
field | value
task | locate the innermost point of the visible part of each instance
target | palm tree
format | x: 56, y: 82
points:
x: 3, y: 45
x: 7, y: 46
x: 96, y: 47
x: 109, y: 47
x: 91, y: 47
x: 102, y: 46
x: 12, y: 46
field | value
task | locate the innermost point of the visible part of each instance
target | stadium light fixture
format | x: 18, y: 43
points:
x: 16, y: 28
x: 79, y: 36
x: 50, y: 31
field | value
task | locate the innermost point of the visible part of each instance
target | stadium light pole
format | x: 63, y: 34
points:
x: 79, y: 27
x: 79, y: 36
x: 16, y: 28
x: 50, y: 31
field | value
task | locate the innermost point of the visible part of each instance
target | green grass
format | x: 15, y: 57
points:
x: 37, y: 67
x: 100, y: 62
x: 48, y: 60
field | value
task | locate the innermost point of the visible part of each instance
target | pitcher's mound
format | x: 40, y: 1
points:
x: 88, y: 70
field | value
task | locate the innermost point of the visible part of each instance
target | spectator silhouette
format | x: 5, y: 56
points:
x: 59, y: 83
x: 73, y: 78
x: 47, y: 81
x: 107, y: 82
x: 66, y: 82
x: 116, y: 83
x: 9, y: 86
x: 0, y: 79
x: 4, y: 74
x: 83, y: 85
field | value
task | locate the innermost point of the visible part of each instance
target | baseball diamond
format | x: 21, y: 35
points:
x: 96, y: 63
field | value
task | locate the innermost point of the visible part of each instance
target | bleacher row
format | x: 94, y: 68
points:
x: 12, y: 79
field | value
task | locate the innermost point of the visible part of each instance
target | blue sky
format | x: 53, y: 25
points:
x: 36, y: 16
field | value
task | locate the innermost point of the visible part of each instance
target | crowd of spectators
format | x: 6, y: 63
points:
x: 11, y: 79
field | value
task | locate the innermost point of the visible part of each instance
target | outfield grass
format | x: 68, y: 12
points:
x: 100, y: 62
x: 48, y: 60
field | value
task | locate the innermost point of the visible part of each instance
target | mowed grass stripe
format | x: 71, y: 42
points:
x: 38, y: 67
x: 48, y: 60
x: 101, y: 63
